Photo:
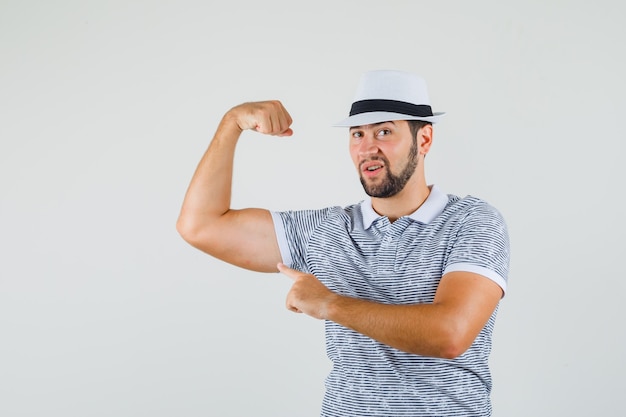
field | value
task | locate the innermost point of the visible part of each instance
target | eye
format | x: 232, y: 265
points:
x: 357, y: 134
x: 383, y: 132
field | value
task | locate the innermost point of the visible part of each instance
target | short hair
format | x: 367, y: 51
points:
x: 416, y: 125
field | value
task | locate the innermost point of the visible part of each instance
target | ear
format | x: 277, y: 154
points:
x: 425, y: 139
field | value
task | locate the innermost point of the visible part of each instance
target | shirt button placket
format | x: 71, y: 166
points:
x: 386, y: 255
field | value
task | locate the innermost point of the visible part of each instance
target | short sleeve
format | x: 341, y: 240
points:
x: 482, y: 245
x: 293, y: 232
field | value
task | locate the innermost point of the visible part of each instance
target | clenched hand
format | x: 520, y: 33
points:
x: 268, y: 117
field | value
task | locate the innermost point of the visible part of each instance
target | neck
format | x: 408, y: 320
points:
x: 404, y: 203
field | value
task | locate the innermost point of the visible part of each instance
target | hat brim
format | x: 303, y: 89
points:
x: 363, y: 119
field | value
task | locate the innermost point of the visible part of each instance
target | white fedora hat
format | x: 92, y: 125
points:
x: 385, y: 95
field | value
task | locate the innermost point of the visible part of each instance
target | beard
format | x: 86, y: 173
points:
x: 392, y: 184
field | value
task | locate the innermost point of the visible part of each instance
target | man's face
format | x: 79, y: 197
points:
x: 385, y: 155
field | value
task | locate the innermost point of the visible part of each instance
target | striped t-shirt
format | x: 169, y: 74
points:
x: 357, y: 253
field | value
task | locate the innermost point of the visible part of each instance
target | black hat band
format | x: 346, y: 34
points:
x: 393, y: 106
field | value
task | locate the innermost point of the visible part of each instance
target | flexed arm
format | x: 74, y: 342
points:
x: 242, y: 237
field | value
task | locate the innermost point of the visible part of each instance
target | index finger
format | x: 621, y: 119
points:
x: 284, y: 269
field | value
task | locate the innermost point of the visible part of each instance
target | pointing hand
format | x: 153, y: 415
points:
x: 307, y: 294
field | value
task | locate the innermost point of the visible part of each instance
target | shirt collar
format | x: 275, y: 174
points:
x: 431, y: 208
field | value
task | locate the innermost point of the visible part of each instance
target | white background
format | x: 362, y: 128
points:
x: 107, y: 106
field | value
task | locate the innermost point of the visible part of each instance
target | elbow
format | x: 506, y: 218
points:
x: 188, y: 230
x: 183, y: 228
x: 203, y: 236
x: 454, y: 342
x: 452, y: 350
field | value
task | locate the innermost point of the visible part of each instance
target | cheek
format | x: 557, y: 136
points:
x: 354, y: 154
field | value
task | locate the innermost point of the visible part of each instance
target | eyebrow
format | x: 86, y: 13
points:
x: 373, y: 124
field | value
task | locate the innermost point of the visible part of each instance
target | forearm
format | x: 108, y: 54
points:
x: 424, y: 329
x: 209, y: 193
x: 445, y: 328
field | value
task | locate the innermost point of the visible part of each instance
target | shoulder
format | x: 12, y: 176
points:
x: 479, y: 238
x: 472, y: 208
x: 312, y: 218
x: 474, y: 218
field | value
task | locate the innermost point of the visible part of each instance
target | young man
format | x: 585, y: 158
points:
x: 408, y: 281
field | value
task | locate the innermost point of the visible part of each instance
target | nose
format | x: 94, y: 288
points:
x: 368, y: 146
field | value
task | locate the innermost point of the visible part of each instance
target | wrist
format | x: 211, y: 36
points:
x: 230, y: 122
x: 334, y: 305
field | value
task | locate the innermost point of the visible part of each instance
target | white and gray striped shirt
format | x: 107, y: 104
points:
x: 356, y: 252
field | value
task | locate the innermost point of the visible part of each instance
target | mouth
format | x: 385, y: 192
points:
x: 371, y: 168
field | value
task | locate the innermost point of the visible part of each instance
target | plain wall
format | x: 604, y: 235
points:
x: 106, y: 108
